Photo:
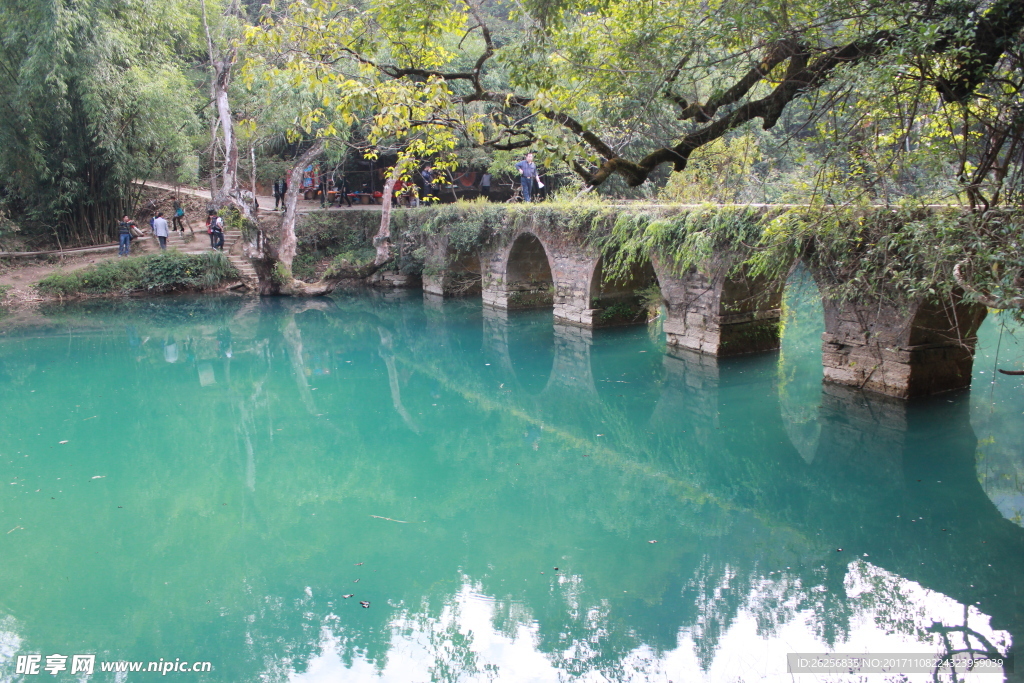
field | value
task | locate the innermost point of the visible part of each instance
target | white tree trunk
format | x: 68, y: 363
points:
x: 382, y: 241
x: 287, y: 242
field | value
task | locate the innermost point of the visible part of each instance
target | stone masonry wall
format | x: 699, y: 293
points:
x: 908, y: 351
x: 718, y: 314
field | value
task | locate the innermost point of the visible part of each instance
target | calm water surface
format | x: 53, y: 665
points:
x: 226, y: 480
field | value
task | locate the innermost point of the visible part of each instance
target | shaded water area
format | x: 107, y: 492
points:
x: 224, y: 480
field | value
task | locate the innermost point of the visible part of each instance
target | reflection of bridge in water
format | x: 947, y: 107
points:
x: 874, y: 473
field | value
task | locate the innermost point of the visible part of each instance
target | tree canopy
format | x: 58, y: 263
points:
x: 824, y: 101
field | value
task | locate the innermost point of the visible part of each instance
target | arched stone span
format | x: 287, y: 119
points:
x: 513, y: 276
x: 713, y: 311
x: 528, y: 279
x: 619, y: 300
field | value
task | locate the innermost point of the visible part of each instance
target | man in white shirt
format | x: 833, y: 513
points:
x: 160, y: 229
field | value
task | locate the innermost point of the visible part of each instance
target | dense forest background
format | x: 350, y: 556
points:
x: 824, y: 102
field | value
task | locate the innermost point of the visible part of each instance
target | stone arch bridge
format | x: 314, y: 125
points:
x: 913, y: 349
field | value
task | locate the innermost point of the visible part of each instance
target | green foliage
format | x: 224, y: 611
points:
x: 682, y: 238
x: 349, y: 261
x: 164, y: 272
x: 330, y: 237
x: 88, y: 108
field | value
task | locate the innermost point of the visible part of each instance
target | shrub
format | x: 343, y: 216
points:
x: 155, y: 272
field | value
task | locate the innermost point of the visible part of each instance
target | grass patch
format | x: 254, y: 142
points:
x: 154, y: 272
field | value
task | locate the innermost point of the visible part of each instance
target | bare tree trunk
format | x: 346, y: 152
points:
x: 252, y: 171
x: 382, y: 240
x: 221, y: 67
x: 229, y: 183
x: 287, y: 242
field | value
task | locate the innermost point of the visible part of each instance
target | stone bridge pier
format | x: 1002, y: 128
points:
x: 711, y: 311
x: 448, y: 272
x: 915, y: 348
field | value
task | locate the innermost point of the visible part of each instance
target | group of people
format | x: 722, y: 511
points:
x: 326, y: 183
x: 529, y: 180
x: 128, y: 229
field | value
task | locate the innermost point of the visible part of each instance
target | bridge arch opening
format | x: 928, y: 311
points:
x: 628, y: 298
x: 528, y: 278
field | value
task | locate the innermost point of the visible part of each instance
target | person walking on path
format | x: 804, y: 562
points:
x: 527, y: 176
x: 280, y: 188
x: 160, y: 229
x: 211, y: 217
x: 124, y: 237
x: 485, y: 186
x: 178, y: 222
x: 341, y: 187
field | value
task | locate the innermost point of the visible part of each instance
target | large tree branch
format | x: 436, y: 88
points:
x: 981, y: 297
x: 993, y: 35
x: 776, y: 54
x: 800, y: 77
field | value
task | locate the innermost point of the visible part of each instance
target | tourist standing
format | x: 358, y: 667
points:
x: 211, y: 215
x: 527, y: 176
x: 429, y: 187
x: 485, y: 186
x: 160, y: 229
x: 178, y: 223
x: 216, y: 232
x: 124, y: 237
x: 280, y: 189
x: 323, y: 191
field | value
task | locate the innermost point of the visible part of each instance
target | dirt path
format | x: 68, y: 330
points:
x: 21, y: 275
x: 266, y: 202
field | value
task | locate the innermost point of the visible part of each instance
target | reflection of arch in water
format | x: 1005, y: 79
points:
x: 538, y: 359
x: 799, y: 365
x: 627, y: 381
x: 621, y: 299
x: 528, y: 279
x: 520, y: 349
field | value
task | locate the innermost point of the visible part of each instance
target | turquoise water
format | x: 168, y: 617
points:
x: 210, y: 479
